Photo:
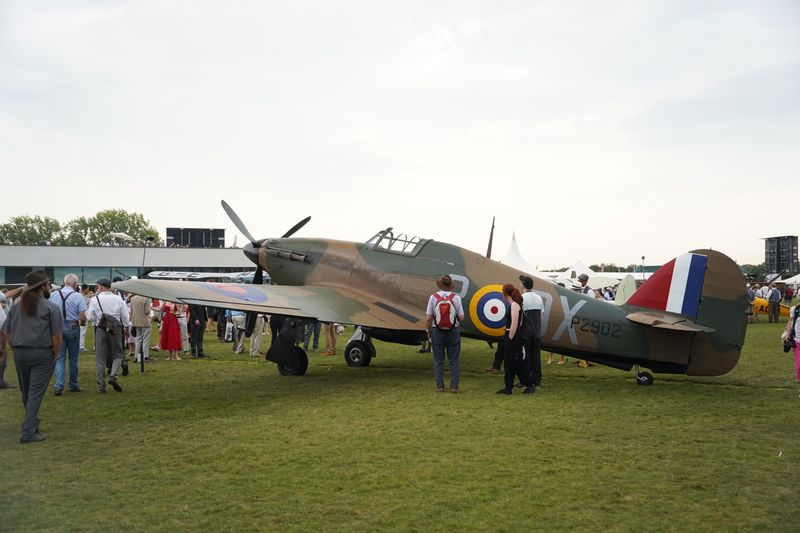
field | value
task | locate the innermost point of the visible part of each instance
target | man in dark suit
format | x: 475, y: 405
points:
x: 198, y: 317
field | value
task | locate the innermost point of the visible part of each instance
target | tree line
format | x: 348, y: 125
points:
x: 611, y: 267
x: 82, y: 231
x: 607, y: 267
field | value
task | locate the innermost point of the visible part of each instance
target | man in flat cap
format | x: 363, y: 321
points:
x: 110, y: 315
x: 583, y: 279
x: 33, y: 328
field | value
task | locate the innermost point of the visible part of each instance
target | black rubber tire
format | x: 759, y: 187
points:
x: 300, y: 369
x: 645, y: 379
x: 357, y: 353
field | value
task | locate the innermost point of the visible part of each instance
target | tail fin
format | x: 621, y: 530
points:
x: 708, y: 288
x: 675, y: 287
x: 626, y: 289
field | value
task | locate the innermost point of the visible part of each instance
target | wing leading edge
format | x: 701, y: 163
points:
x: 327, y: 304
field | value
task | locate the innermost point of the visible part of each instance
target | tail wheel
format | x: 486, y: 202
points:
x: 297, y: 369
x: 644, y: 378
x: 357, y: 353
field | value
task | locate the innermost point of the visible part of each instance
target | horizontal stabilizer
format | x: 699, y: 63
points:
x: 668, y: 321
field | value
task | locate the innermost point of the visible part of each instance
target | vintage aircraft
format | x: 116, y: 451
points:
x: 688, y: 318
x: 761, y: 307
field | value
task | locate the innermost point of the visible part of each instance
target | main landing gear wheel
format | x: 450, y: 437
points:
x: 643, y: 378
x: 295, y: 370
x: 357, y: 353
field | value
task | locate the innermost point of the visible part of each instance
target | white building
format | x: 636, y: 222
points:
x: 91, y: 263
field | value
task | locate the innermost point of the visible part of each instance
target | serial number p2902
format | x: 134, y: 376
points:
x: 597, y: 327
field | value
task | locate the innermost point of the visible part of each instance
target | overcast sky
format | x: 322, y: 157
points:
x: 598, y: 131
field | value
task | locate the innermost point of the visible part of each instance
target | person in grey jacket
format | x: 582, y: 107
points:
x: 33, y: 328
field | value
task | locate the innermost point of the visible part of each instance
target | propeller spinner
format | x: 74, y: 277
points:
x: 251, y: 251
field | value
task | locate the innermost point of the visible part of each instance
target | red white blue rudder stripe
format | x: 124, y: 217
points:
x: 675, y: 287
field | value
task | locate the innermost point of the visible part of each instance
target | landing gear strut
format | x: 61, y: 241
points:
x: 643, y: 378
x: 359, y: 350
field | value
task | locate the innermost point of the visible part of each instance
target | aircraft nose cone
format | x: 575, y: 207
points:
x: 251, y: 251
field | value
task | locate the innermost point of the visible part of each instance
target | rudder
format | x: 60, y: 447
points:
x: 723, y: 305
x: 676, y: 287
x: 707, y: 288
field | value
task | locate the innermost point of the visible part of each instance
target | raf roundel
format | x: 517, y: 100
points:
x: 237, y: 291
x: 487, y: 310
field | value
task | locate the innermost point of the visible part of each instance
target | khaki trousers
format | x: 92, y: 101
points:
x: 329, y: 334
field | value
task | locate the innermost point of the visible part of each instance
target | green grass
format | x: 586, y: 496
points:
x: 228, y: 444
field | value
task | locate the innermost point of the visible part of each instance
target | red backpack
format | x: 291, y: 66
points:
x: 444, y: 311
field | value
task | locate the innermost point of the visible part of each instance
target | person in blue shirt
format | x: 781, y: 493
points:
x: 73, y: 311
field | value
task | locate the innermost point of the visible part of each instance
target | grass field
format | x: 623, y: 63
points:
x: 228, y: 444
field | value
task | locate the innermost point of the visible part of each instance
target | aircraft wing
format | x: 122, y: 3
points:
x: 196, y: 276
x: 327, y: 304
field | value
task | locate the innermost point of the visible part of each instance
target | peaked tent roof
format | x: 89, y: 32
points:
x: 577, y: 269
x: 514, y: 258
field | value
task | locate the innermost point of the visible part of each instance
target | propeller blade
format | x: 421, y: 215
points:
x: 295, y: 228
x: 258, y: 277
x: 491, y: 237
x: 237, y: 221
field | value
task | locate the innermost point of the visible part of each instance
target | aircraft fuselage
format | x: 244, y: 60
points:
x: 572, y: 323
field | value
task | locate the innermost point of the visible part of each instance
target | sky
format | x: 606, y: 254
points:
x: 596, y: 131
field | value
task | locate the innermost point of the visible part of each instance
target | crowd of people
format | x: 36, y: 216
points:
x: 46, y: 327
x: 773, y: 295
x: 519, y: 351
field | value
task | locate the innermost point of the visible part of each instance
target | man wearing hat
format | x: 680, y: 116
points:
x: 444, y: 314
x: 579, y: 287
x: 532, y: 308
x: 33, y: 328
x: 108, y: 340
x: 751, y: 301
x: 584, y: 281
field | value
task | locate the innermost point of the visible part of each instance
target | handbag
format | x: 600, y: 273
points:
x: 107, y: 323
x: 788, y: 344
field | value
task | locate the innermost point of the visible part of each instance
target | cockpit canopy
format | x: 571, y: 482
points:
x: 401, y: 243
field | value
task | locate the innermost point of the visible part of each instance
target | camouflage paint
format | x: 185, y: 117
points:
x: 356, y: 283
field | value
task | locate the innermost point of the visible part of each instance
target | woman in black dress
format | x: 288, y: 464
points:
x: 517, y: 363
